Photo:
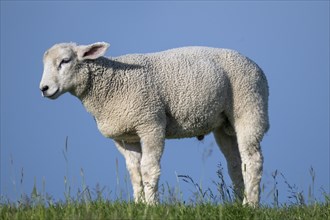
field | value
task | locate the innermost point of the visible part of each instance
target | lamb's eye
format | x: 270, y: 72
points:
x: 64, y: 61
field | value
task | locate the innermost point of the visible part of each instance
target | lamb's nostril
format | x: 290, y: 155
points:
x: 44, y: 88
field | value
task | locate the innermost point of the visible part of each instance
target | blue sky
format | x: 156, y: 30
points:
x: 289, y: 40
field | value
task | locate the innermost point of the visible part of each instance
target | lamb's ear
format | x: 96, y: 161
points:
x: 92, y: 51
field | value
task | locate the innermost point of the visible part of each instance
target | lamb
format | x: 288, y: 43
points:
x: 138, y: 100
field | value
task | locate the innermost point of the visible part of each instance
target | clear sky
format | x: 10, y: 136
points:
x: 289, y: 40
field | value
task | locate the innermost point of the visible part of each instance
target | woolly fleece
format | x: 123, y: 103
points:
x: 140, y: 99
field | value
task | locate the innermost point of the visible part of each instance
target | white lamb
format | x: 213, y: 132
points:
x: 139, y: 100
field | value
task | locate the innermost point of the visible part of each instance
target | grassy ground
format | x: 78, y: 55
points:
x: 124, y: 210
x: 204, y: 204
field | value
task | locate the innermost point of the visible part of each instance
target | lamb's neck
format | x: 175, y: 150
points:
x: 94, y: 86
x: 99, y: 82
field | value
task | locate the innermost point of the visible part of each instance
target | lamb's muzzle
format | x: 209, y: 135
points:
x: 44, y: 88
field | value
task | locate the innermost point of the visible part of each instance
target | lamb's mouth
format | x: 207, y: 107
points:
x: 53, y: 95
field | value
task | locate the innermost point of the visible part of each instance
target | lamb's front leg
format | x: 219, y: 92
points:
x: 132, y: 153
x: 152, y: 150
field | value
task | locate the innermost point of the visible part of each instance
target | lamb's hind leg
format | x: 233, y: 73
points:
x: 249, y: 135
x: 132, y: 153
x: 228, y: 145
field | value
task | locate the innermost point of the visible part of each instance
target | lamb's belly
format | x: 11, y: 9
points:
x: 186, y: 133
x: 127, y: 137
x: 191, y: 127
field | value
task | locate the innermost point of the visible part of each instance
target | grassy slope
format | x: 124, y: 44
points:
x: 204, y: 204
x: 123, y: 210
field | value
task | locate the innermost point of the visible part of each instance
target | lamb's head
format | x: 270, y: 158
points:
x: 60, y: 63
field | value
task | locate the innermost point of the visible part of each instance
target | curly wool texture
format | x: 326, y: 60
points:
x: 140, y: 99
x: 192, y: 90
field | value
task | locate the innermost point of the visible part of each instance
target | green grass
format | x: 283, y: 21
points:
x: 203, y: 204
x: 128, y: 210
